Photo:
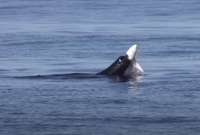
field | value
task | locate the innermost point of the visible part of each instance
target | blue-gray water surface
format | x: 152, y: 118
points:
x: 47, y: 46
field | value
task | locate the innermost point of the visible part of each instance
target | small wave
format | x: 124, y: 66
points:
x: 74, y: 76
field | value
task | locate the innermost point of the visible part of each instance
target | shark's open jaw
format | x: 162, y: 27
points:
x: 132, y: 52
x: 134, y: 68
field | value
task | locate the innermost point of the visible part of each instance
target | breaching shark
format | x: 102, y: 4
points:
x: 125, y: 66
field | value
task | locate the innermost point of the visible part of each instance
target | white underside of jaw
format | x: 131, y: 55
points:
x: 132, y: 52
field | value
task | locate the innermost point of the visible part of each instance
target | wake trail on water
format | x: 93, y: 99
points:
x: 61, y: 76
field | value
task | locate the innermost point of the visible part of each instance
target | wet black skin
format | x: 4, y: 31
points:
x: 118, y: 67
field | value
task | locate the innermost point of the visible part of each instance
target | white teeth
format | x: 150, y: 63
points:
x: 132, y: 52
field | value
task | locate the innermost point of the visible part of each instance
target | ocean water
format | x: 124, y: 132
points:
x: 48, y: 46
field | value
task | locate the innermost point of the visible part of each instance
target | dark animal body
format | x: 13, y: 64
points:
x: 118, y: 67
